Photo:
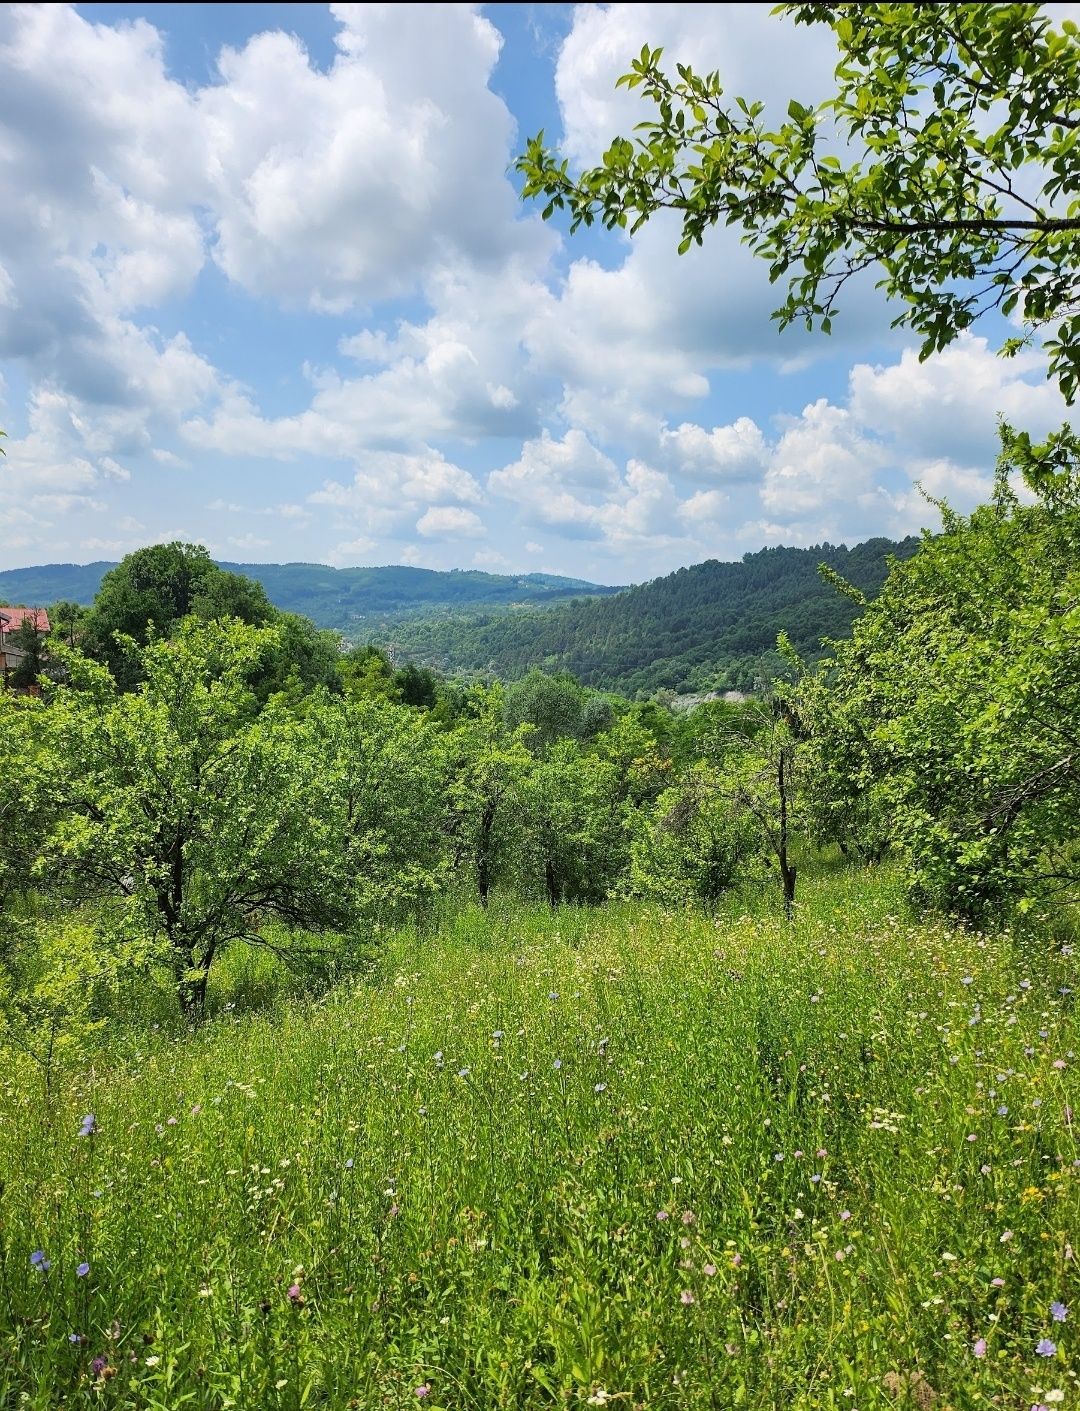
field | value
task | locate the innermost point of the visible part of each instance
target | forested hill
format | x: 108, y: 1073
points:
x: 351, y: 600
x: 712, y: 626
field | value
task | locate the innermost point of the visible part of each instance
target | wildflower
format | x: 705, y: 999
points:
x: 661, y: 1215
x: 1045, y: 1348
x: 978, y: 1347
x: 686, y: 1298
x: 38, y: 1260
x: 497, y: 1035
x: 422, y: 1391
x: 554, y: 994
x: 464, y: 1072
x: 1005, y: 1237
x: 845, y: 1215
x: 688, y: 1217
x: 295, y: 1297
x: 1059, y: 1064
x: 600, y: 1088
x: 736, y: 1260
x: 821, y: 1153
x: 708, y: 1270
x: 967, y: 980
x: 349, y: 1164
x: 1058, y: 1311
x: 152, y: 1361
x: 78, y: 1339
x: 89, y: 1126
x: 82, y: 1270
x: 557, y: 1064
x: 98, y: 1365
x: 997, y: 1283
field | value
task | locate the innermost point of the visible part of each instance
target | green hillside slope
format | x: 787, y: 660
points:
x: 350, y: 600
x: 710, y: 626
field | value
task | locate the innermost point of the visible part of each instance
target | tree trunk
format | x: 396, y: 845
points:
x: 552, y: 885
x: 483, y: 868
x: 788, y: 872
x: 191, y: 992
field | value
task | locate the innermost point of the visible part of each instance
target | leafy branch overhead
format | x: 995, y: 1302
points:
x: 947, y: 161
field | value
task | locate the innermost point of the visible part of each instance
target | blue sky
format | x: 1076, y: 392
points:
x: 265, y: 284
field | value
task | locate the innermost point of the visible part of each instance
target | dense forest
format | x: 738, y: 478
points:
x: 710, y: 627
x: 353, y: 601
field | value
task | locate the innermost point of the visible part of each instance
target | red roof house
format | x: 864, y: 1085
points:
x: 11, y: 655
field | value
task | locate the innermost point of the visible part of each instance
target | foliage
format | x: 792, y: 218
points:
x: 487, y: 765
x: 953, y: 708
x: 575, y: 839
x: 187, y: 812
x: 946, y: 161
x: 695, y: 845
x: 553, y: 705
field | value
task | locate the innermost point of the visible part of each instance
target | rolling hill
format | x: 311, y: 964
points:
x: 712, y: 626
x: 354, y: 601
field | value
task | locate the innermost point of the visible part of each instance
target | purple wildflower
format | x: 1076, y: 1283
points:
x: 82, y: 1270
x: 98, y: 1365
x: 1058, y: 1311
x: 425, y: 1390
x: 661, y: 1215
x: 686, y: 1298
x: 1045, y: 1348
x: 89, y: 1126
x: 978, y: 1347
x: 38, y: 1260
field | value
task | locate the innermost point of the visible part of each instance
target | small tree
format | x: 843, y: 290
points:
x: 694, y: 844
x: 191, y: 816
x: 761, y: 779
x: 488, y: 766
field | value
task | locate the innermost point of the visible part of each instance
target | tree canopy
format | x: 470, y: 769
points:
x: 946, y: 161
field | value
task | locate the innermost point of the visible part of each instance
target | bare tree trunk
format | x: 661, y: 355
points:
x: 788, y: 871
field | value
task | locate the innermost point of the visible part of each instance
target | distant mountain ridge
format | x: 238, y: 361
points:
x: 350, y: 600
x: 708, y: 627
x: 712, y: 626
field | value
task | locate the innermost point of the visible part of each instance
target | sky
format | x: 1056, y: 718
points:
x: 266, y: 284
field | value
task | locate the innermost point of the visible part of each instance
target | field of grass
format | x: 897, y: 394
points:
x: 619, y: 1157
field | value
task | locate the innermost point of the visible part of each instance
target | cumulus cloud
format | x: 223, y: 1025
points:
x: 450, y: 522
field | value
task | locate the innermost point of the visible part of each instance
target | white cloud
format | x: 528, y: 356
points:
x: 450, y: 522
x: 338, y: 188
x: 727, y: 453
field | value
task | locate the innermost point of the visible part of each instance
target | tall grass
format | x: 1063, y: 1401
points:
x: 620, y: 1156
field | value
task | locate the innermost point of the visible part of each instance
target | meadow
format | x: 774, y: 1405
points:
x: 618, y: 1156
